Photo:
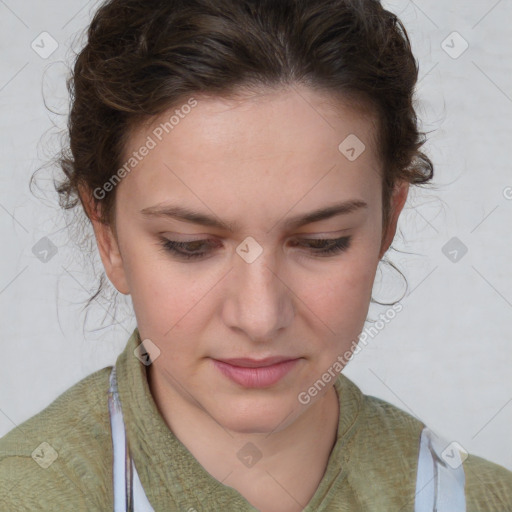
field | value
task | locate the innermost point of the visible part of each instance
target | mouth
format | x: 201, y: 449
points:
x: 256, y: 373
x: 245, y: 362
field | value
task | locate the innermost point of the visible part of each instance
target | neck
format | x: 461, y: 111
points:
x: 295, y: 456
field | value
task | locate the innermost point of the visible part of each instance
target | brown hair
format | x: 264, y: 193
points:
x: 143, y: 57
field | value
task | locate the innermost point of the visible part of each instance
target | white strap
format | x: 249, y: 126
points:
x: 128, y: 492
x: 118, y: 445
x: 439, y: 485
x: 140, y: 500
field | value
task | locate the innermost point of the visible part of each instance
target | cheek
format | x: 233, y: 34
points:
x: 339, y: 297
x: 161, y: 293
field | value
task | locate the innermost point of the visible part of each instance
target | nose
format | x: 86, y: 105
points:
x: 259, y: 302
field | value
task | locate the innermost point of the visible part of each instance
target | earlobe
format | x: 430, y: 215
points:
x: 111, y: 256
x: 398, y: 199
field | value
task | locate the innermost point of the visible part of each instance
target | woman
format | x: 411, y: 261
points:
x: 243, y: 164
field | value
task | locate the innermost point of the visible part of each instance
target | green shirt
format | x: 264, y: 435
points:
x: 372, y: 466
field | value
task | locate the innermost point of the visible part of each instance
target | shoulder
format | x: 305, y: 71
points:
x: 60, y: 458
x: 379, y: 456
x: 385, y: 426
x: 389, y: 439
x: 389, y: 417
x: 488, y: 485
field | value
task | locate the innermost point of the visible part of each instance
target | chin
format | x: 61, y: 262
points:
x: 257, y: 426
x: 248, y: 419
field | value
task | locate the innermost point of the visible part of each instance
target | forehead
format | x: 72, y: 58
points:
x: 273, y: 144
x: 256, y: 114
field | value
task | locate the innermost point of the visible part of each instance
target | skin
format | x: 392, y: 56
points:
x: 257, y: 159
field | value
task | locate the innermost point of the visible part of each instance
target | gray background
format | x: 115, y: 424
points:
x: 447, y: 355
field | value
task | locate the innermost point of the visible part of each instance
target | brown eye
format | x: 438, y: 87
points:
x: 187, y: 250
x: 326, y: 246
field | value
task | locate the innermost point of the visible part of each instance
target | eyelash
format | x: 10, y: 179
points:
x: 331, y: 247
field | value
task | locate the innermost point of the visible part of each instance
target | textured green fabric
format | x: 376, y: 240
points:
x: 372, y: 466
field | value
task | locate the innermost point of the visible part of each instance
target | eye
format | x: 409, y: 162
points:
x: 326, y: 246
x: 187, y: 250
x: 198, y: 249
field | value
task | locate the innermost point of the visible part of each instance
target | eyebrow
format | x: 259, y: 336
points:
x: 187, y: 215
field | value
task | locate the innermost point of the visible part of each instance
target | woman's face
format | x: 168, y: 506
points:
x: 257, y: 285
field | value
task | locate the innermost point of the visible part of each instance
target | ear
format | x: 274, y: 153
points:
x: 397, y: 200
x: 107, y: 243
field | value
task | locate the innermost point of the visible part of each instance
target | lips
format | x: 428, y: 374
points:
x: 256, y: 373
x: 256, y: 363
